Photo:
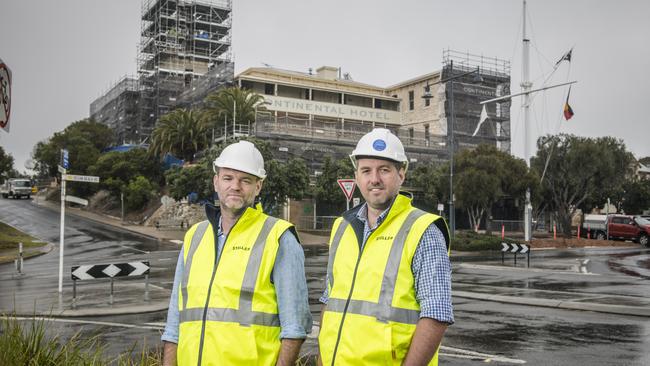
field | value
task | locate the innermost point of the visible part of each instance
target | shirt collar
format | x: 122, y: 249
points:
x: 362, y: 215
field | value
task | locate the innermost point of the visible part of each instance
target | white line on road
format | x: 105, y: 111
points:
x: 108, y: 324
x: 141, y: 251
x: 463, y: 353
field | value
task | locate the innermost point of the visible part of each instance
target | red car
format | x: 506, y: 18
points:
x: 635, y: 228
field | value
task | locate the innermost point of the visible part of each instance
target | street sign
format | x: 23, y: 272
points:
x: 347, y: 186
x: 76, y: 200
x: 64, y: 159
x: 356, y: 201
x: 441, y: 207
x: 92, y: 271
x: 514, y: 248
x: 62, y: 169
x: 81, y: 178
x: 5, y: 96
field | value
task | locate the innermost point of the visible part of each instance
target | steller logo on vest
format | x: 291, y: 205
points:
x: 384, y: 237
x: 240, y: 247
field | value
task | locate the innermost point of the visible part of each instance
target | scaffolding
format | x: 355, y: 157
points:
x: 468, y: 93
x: 181, y: 41
x: 118, y: 108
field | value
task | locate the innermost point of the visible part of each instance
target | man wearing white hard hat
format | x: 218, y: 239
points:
x: 239, y: 295
x: 388, y: 294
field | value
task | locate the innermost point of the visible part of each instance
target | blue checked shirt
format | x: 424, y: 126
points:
x: 431, y: 270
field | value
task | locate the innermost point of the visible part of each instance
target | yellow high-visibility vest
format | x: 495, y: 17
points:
x: 228, y: 310
x: 372, y: 310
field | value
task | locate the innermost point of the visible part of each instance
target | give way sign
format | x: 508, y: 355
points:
x: 347, y: 186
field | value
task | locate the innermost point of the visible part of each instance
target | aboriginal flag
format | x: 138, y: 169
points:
x: 568, y: 111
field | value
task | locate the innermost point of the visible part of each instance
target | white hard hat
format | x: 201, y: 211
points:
x: 242, y: 156
x: 382, y: 144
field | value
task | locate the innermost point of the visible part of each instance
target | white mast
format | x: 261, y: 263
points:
x: 526, y: 85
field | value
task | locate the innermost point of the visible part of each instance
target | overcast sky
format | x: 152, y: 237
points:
x: 65, y: 53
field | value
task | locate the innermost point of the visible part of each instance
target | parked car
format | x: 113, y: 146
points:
x: 623, y: 227
x: 634, y: 228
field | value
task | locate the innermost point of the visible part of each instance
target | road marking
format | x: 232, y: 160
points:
x: 467, y: 354
x: 138, y: 250
x: 108, y: 324
x: 538, y: 270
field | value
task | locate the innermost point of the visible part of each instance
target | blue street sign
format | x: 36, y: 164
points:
x: 64, y: 159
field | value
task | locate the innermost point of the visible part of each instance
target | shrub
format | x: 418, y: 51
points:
x: 472, y: 241
x: 138, y: 192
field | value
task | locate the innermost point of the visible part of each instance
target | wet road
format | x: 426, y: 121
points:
x: 492, y: 332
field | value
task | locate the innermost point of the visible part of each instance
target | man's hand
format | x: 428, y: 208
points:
x: 426, y: 339
x: 289, y: 351
x: 169, y: 353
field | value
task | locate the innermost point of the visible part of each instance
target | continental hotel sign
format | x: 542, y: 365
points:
x: 291, y: 105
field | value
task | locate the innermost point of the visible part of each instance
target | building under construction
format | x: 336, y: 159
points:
x: 185, y: 47
x: 184, y: 54
x: 118, y: 109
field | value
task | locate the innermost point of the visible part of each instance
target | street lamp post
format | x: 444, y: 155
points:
x: 427, y: 95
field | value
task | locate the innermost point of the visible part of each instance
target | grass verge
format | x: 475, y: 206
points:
x: 9, y: 239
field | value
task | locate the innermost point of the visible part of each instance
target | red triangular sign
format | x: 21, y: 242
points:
x: 347, y: 186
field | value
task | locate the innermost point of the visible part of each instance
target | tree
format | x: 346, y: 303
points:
x: 482, y: 177
x: 181, y: 133
x: 221, y: 105
x: 327, y: 190
x: 428, y: 177
x: 138, y: 193
x: 84, y: 141
x: 580, y: 172
x: 6, y: 165
x: 116, y: 169
x: 284, y: 180
x: 635, y: 196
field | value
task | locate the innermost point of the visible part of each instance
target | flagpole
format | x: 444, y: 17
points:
x: 526, y: 86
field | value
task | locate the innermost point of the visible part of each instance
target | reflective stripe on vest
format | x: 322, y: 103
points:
x: 245, y: 316
x: 383, y: 309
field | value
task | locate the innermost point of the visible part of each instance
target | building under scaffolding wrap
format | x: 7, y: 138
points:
x: 118, y: 109
x: 182, y: 41
x: 467, y: 95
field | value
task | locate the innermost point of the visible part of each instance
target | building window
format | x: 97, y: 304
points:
x: 269, y: 89
x: 411, y: 100
x: 411, y: 135
x: 427, y: 139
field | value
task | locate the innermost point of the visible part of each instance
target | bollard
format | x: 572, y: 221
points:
x: 554, y: 232
x: 588, y: 233
x: 110, y: 301
x: 74, y: 294
x: 146, y: 287
x: 503, y: 231
x: 578, y: 231
x: 19, y: 260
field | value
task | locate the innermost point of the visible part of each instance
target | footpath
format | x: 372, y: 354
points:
x: 546, y: 283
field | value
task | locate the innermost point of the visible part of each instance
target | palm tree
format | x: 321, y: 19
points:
x: 181, y: 132
x: 221, y: 104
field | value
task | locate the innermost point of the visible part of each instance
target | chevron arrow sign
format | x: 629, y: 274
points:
x: 92, y: 271
x: 514, y: 248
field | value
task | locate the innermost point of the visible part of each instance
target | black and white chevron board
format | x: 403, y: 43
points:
x: 93, y: 271
x: 111, y: 270
x: 514, y: 248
